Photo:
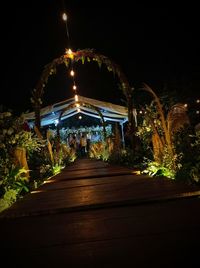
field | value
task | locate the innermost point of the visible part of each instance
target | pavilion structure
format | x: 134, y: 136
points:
x: 110, y: 112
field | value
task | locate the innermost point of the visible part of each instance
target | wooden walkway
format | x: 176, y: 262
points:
x: 99, y: 215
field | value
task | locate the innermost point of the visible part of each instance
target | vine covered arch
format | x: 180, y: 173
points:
x: 82, y: 55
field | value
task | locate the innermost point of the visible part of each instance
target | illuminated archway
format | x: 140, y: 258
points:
x: 82, y: 55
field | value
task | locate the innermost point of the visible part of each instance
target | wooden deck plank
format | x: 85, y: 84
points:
x: 121, y: 190
x: 157, y: 231
x: 103, y: 217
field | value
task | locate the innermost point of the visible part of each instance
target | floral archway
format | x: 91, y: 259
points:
x: 82, y: 55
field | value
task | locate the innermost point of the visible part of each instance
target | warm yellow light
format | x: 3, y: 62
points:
x: 76, y: 97
x: 77, y: 105
x: 197, y: 112
x: 136, y: 172
x: 72, y: 73
x: 64, y: 16
x: 74, y: 87
x: 185, y: 105
x: 36, y: 192
x: 69, y: 53
x: 198, y: 101
x: 49, y: 181
x: 78, y: 110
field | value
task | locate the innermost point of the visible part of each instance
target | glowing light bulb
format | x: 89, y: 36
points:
x: 197, y: 112
x: 72, y: 73
x: 80, y: 117
x: 78, y: 110
x: 76, y: 97
x: 64, y: 16
x: 74, y: 87
x: 185, y: 105
x: 69, y: 51
x: 77, y: 105
x: 198, y: 101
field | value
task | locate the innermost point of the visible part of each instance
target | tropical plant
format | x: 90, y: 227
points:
x: 187, y: 143
x: 162, y: 126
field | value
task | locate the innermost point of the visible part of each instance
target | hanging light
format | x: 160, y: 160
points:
x: 80, y: 117
x: 69, y: 53
x: 77, y: 105
x: 76, y: 97
x: 64, y: 16
x: 74, y: 87
x: 72, y: 72
x: 198, y: 101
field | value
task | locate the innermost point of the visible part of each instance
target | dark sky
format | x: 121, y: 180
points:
x: 156, y: 45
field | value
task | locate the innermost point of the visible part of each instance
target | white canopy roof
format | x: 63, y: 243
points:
x: 110, y: 112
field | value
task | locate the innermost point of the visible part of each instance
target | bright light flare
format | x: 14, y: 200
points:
x: 72, y: 73
x: 56, y: 122
x: 74, y: 87
x: 76, y: 97
x: 69, y: 53
x: 64, y: 16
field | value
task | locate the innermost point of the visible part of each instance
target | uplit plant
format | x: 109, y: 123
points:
x: 162, y: 125
x: 15, y: 145
x: 13, y: 185
x: 156, y: 169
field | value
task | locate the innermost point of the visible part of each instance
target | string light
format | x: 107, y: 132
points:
x: 70, y: 55
x: 72, y: 72
x: 76, y: 98
x: 64, y: 16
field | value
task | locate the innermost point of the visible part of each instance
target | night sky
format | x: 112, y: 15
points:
x: 156, y: 45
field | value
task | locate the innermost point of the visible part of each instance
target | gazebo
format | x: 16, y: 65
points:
x: 110, y: 112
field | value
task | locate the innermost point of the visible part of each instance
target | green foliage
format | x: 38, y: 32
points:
x: 187, y: 142
x: 12, y: 187
x: 40, y: 164
x: 8, y: 199
x: 15, y: 179
x: 56, y: 169
x: 155, y: 169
